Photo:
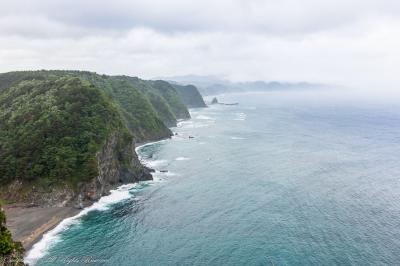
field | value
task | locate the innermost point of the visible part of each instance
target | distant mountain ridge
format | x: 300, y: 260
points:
x: 211, y: 85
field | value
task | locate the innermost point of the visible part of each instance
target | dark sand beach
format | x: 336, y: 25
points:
x: 28, y: 224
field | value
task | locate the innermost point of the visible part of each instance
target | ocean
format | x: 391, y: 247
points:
x: 283, y: 178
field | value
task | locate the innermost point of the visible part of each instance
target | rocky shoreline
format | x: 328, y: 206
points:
x: 85, y: 146
x: 29, y: 223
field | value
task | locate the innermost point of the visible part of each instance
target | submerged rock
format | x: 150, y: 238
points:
x: 214, y: 101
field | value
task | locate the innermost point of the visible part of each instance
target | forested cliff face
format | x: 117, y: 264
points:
x: 66, y: 135
x: 190, y: 96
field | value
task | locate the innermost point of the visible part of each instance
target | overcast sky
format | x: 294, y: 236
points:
x: 348, y: 42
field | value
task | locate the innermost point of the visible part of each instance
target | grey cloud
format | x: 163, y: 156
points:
x: 351, y: 42
x: 283, y: 17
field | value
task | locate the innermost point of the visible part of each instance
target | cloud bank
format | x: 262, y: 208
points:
x: 351, y: 42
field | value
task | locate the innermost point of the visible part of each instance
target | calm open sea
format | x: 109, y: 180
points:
x: 283, y: 178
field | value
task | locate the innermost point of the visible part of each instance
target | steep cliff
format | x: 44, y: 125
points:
x: 116, y: 166
x: 57, y: 136
x: 190, y: 96
x: 165, y: 99
x: 168, y: 92
x: 138, y: 110
x: 68, y: 137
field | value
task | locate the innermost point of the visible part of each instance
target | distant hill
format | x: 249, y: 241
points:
x: 211, y: 85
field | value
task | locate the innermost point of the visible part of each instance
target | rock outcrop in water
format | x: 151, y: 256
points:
x: 68, y: 137
x: 215, y: 101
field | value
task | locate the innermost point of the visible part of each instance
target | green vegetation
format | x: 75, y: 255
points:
x: 172, y: 97
x: 190, y: 95
x: 7, y: 245
x: 10, y: 251
x: 53, y: 129
x: 138, y: 111
x: 167, y: 103
x: 53, y: 123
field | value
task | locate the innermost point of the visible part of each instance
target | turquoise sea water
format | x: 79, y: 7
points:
x: 284, y: 178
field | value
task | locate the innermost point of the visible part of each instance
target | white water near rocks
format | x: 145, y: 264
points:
x: 283, y: 178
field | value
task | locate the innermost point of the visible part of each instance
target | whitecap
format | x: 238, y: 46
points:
x: 204, y: 117
x: 184, y: 123
x: 170, y: 174
x: 158, y: 176
x: 240, y: 117
x: 237, y: 138
x: 155, y: 163
x: 199, y: 124
x: 182, y: 159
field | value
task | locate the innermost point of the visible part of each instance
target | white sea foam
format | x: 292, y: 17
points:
x: 182, y: 159
x: 155, y: 163
x: 184, y: 123
x: 240, y: 117
x: 122, y: 193
x: 158, y: 177
x: 237, y: 138
x: 138, y: 148
x: 197, y: 124
x: 204, y: 117
x: 170, y: 174
x: 41, y: 248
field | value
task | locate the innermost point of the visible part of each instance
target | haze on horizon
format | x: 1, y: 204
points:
x: 347, y: 42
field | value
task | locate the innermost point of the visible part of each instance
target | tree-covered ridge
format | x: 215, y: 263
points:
x: 164, y: 98
x: 140, y: 115
x: 190, y: 95
x: 52, y: 129
x: 172, y: 97
x: 54, y: 125
x: 160, y: 97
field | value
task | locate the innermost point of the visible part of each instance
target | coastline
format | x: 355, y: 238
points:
x: 28, y: 225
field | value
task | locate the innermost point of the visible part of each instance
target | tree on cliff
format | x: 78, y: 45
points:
x: 10, y: 251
